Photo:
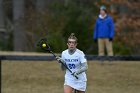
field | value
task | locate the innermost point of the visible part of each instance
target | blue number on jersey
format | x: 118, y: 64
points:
x: 71, y: 66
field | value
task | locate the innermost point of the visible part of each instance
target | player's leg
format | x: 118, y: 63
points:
x: 67, y: 89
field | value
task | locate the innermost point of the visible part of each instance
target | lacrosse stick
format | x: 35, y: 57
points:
x: 47, y: 48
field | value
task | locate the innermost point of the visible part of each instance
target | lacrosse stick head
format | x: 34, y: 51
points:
x: 43, y: 41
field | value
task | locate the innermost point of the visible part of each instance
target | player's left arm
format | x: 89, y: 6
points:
x: 84, y: 65
x: 61, y: 61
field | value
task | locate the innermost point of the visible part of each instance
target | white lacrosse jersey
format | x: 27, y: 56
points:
x: 73, y: 62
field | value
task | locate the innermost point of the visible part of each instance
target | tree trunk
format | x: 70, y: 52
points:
x: 41, y: 5
x: 66, y: 2
x: 19, y: 33
x: 2, y: 18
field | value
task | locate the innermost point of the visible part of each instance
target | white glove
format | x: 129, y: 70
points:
x: 74, y: 74
x: 60, y: 60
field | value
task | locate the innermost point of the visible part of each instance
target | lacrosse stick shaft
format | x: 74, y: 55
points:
x: 63, y: 64
x: 53, y: 54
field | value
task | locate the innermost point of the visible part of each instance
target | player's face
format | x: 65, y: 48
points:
x: 72, y: 44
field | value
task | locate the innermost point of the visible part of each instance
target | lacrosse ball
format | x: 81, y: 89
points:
x: 43, y: 45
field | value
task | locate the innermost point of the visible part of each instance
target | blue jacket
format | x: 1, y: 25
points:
x: 104, y: 28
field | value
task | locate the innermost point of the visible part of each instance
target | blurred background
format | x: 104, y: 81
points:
x: 24, y: 22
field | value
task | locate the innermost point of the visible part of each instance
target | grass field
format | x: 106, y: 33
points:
x: 47, y: 77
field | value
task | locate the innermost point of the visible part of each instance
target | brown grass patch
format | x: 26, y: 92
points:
x: 47, y: 77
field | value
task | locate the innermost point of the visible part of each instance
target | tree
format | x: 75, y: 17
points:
x: 2, y: 18
x: 19, y: 34
x: 126, y: 14
x: 41, y: 5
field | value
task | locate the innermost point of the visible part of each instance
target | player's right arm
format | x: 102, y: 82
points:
x: 62, y: 62
x: 62, y: 66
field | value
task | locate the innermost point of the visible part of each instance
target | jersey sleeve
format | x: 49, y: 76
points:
x: 62, y: 55
x: 83, y: 58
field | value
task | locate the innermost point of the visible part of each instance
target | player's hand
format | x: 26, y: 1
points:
x: 74, y: 74
x: 60, y: 60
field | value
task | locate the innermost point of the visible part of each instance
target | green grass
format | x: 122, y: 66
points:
x: 47, y: 77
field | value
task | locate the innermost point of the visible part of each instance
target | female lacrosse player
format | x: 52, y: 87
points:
x: 77, y: 63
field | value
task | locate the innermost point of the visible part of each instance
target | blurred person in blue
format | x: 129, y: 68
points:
x: 104, y: 32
